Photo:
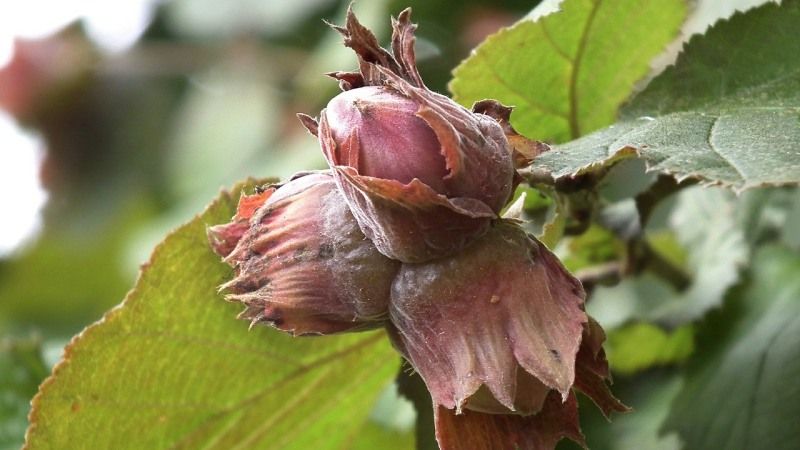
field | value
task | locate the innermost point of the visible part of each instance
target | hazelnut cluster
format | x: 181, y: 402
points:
x: 403, y: 232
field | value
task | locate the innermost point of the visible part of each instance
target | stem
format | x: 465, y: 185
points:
x: 608, y: 273
x: 663, y: 268
x: 641, y: 256
x: 664, y: 186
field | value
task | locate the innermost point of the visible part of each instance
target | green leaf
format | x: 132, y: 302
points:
x: 741, y: 389
x: 728, y: 111
x: 640, y: 346
x: 390, y: 425
x: 704, y: 222
x: 542, y: 211
x: 769, y: 214
x: 634, y: 298
x: 374, y: 435
x: 553, y: 227
x: 666, y: 245
x: 592, y: 248
x: 650, y: 395
x: 172, y: 368
x: 22, y: 368
x: 649, y: 399
x: 567, y: 73
x: 625, y: 180
x: 791, y: 230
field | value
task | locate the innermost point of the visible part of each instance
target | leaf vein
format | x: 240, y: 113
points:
x: 574, y: 124
x: 325, y: 405
x: 559, y: 51
x: 272, y: 386
x: 710, y: 142
x: 220, y: 345
x: 282, y: 412
x: 762, y: 361
x: 500, y: 80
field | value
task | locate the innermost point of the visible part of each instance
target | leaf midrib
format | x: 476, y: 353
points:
x: 574, y: 121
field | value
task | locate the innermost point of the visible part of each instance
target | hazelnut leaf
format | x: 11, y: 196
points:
x: 567, y: 73
x: 741, y: 384
x: 726, y: 113
x: 168, y: 362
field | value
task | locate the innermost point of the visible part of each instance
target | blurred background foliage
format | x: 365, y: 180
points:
x: 137, y: 140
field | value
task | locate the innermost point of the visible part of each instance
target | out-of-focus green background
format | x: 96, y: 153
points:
x: 125, y: 121
x: 137, y: 142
